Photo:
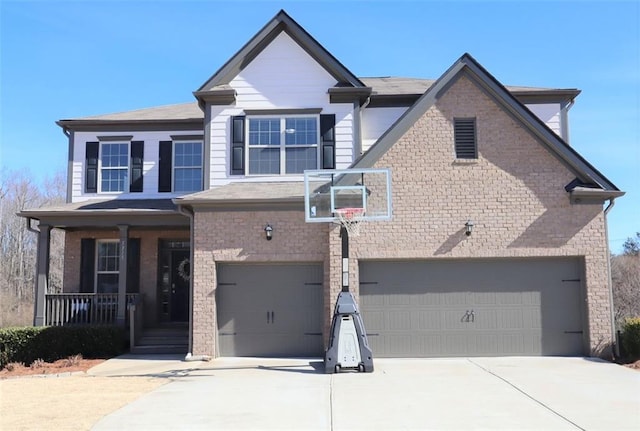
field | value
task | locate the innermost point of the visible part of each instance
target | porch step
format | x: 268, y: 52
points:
x: 163, y: 339
x: 160, y: 349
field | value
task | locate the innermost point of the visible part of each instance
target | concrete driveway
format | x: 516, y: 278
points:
x: 440, y: 394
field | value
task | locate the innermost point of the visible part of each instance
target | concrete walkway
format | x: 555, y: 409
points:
x: 441, y: 394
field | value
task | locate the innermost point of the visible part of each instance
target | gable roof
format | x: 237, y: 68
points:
x: 469, y: 67
x: 280, y: 23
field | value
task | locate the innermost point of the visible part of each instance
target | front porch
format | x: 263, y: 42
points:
x: 126, y: 263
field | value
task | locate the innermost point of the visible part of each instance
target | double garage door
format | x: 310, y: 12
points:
x: 473, y: 307
x: 270, y: 310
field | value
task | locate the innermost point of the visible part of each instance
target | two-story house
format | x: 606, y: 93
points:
x: 169, y: 207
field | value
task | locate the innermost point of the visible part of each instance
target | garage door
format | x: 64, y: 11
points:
x: 270, y: 310
x: 473, y: 308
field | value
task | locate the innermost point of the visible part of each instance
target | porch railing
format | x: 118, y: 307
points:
x: 84, y: 308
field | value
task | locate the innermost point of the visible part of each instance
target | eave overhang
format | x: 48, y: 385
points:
x: 349, y: 94
x: 108, y: 214
x: 216, y: 97
x: 131, y: 125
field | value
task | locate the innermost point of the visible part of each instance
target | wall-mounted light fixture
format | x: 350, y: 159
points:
x: 268, y: 231
x: 468, y: 228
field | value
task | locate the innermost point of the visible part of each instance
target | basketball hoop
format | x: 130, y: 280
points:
x: 350, y: 219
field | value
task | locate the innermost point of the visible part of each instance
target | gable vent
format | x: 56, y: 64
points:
x: 464, y: 130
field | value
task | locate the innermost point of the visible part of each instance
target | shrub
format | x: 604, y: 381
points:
x: 50, y: 343
x: 38, y: 363
x: 11, y: 366
x: 72, y: 360
x: 631, y: 338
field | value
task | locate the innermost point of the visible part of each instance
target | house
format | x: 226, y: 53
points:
x: 167, y: 208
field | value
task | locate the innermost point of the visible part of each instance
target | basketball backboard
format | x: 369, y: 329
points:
x: 328, y: 191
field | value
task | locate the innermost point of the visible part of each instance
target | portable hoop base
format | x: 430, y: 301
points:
x: 348, y: 344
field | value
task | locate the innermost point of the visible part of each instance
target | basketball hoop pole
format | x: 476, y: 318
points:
x: 344, y: 234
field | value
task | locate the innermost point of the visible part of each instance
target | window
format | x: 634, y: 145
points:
x: 286, y: 145
x: 114, y: 170
x: 187, y: 165
x: 464, y: 130
x: 107, y: 266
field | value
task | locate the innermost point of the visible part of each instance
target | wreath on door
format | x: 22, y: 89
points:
x: 184, y: 269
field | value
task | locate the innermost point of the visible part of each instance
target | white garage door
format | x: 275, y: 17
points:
x: 473, y: 307
x: 270, y: 310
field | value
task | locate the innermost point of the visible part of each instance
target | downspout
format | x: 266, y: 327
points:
x: 31, y: 229
x: 357, y: 148
x: 616, y: 346
x: 70, y: 156
x: 189, y: 213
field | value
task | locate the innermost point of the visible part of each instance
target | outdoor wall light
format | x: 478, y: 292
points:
x: 268, y: 231
x: 468, y: 228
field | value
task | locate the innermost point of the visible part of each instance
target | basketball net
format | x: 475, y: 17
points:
x: 351, y: 219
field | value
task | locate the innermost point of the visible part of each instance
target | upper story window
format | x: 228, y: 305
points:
x: 114, y: 170
x: 464, y: 131
x: 187, y: 167
x: 114, y: 165
x: 181, y: 165
x: 284, y: 145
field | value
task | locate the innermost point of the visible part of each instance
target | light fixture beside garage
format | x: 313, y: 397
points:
x: 468, y: 228
x: 268, y: 231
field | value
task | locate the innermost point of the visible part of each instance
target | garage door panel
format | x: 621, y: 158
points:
x: 473, y: 307
x: 270, y: 310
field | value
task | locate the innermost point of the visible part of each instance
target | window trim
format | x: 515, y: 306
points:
x: 100, y: 167
x: 96, y: 266
x: 174, y: 142
x: 282, y: 147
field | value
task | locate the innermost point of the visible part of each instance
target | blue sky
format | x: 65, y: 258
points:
x: 74, y: 59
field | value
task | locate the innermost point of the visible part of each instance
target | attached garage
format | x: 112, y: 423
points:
x: 270, y: 309
x: 499, y: 307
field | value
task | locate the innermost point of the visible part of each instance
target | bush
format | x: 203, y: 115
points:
x: 50, y: 343
x: 631, y: 338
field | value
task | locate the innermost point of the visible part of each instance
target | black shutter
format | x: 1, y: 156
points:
x: 164, y: 174
x: 87, y: 264
x: 328, y: 141
x: 237, y: 145
x: 133, y: 265
x: 137, y: 158
x: 464, y: 131
x: 91, y: 167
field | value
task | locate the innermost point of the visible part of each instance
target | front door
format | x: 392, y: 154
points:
x: 174, y: 277
x: 180, y: 275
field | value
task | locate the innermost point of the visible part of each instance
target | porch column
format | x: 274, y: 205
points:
x: 42, y: 274
x: 122, y: 276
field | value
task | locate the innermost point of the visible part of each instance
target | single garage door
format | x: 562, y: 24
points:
x: 270, y: 310
x: 473, y: 307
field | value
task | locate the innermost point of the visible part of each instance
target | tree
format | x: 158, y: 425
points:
x: 631, y: 246
x: 18, y: 246
x: 625, y: 276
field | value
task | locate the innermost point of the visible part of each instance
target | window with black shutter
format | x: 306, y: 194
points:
x: 137, y: 159
x: 164, y: 166
x: 91, y: 167
x: 464, y: 130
